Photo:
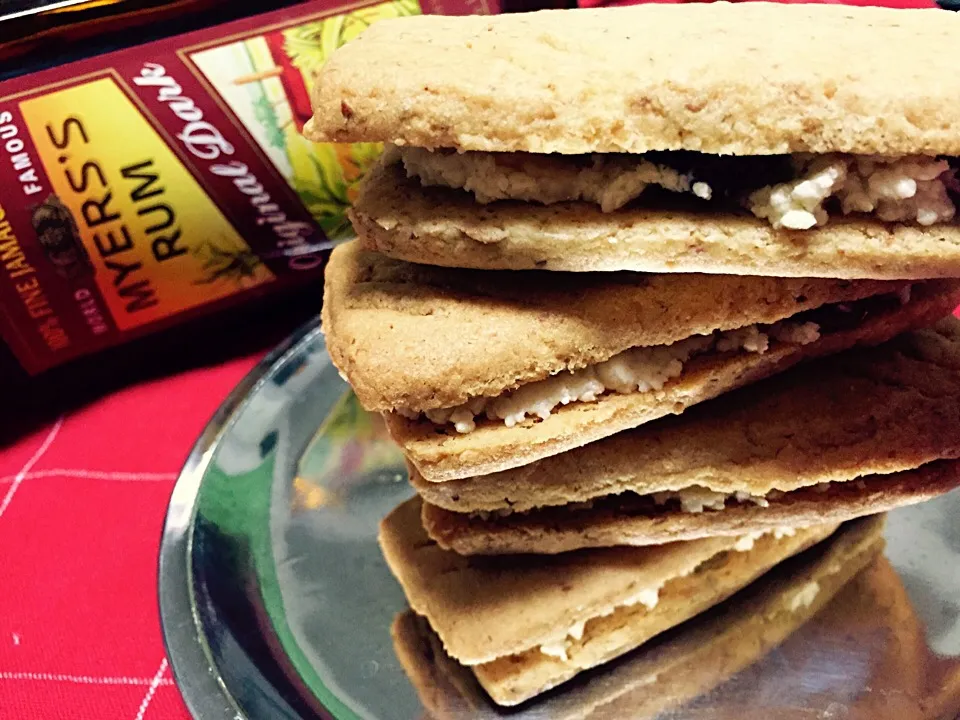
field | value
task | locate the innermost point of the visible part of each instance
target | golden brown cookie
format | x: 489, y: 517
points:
x: 863, y: 412
x: 525, y: 624
x: 493, y: 447
x: 439, y: 226
x: 638, y: 520
x: 679, y: 665
x: 413, y: 338
x: 857, y: 433
x: 743, y: 78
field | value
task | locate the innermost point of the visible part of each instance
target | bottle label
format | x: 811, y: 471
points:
x: 147, y: 185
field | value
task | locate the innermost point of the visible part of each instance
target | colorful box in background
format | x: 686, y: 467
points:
x: 143, y: 187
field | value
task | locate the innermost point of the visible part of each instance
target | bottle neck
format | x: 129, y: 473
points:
x: 28, y: 28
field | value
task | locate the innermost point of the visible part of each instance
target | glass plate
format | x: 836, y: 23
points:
x: 276, y: 603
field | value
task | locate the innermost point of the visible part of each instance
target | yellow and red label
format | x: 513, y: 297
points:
x: 158, y: 244
x: 145, y: 186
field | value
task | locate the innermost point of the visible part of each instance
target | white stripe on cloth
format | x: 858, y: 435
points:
x: 94, y: 475
x: 79, y: 679
x: 152, y: 690
x: 18, y: 478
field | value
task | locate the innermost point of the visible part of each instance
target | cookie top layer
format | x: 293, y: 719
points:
x: 745, y: 78
x: 419, y: 337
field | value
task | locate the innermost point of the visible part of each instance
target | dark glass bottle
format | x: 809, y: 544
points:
x: 42, y: 33
x: 164, y: 174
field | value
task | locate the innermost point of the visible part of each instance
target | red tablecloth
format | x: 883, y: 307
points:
x: 83, y: 501
x: 85, y: 477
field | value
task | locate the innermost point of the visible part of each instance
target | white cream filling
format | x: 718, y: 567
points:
x: 576, y: 630
x: 906, y: 189
x: 746, y: 542
x: 909, y: 189
x: 805, y: 596
x: 507, y: 512
x: 641, y: 369
x: 557, y: 649
x: 611, y: 181
x: 696, y: 499
x: 649, y: 597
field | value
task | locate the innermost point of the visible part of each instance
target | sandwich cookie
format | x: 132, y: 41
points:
x: 662, y: 153
x: 477, y: 372
x: 682, y: 663
x: 525, y: 624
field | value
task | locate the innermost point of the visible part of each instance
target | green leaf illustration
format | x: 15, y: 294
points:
x: 364, y: 155
x: 224, y: 261
x: 266, y: 117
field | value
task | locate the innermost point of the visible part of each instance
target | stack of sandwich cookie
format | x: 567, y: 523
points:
x: 643, y: 327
